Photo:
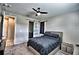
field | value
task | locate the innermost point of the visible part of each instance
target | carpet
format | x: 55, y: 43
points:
x: 20, y: 49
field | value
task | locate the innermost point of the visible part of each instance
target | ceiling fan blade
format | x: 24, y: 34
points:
x: 44, y: 12
x: 34, y: 9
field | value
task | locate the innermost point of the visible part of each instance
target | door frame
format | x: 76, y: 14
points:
x: 14, y: 29
x: 2, y: 17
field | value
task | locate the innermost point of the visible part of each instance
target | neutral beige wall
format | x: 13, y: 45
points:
x: 68, y: 24
x: 21, y: 29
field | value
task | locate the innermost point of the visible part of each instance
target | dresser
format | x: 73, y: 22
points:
x: 76, y: 49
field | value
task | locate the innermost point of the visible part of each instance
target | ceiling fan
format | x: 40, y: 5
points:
x: 5, y: 5
x: 38, y: 12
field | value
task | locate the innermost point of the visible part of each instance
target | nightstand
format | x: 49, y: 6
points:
x: 77, y: 45
x: 76, y: 49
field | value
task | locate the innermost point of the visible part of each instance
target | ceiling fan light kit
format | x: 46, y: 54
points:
x: 38, y: 14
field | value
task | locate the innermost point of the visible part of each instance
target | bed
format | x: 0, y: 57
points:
x: 49, y: 43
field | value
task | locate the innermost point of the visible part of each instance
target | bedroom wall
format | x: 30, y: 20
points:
x: 21, y: 30
x: 68, y: 24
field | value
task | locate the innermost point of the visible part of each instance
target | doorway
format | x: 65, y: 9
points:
x: 9, y: 30
x: 1, y: 26
x: 42, y: 27
x: 31, y: 24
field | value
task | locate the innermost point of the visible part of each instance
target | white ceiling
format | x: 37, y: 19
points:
x: 53, y: 9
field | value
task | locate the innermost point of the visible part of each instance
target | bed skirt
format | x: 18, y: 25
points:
x: 37, y: 53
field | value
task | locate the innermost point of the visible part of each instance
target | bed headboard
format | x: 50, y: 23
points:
x: 57, y: 32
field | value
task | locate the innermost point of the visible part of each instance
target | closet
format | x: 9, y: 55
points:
x: 9, y: 30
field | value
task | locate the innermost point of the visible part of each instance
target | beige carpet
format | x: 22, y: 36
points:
x: 20, y: 49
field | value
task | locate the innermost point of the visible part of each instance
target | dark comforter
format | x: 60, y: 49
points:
x: 44, y: 44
